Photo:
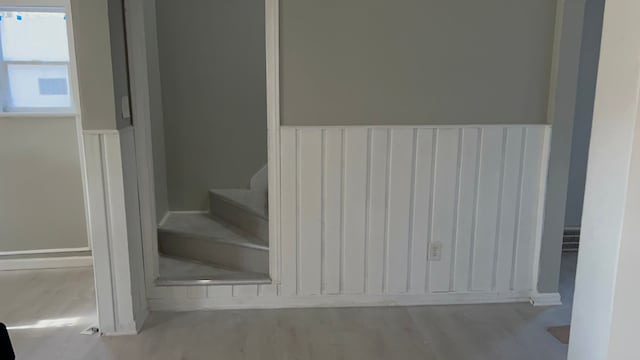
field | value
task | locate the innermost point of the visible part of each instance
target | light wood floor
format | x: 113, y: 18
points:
x: 478, y: 332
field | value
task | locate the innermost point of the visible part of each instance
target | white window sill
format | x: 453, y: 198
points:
x: 37, y: 114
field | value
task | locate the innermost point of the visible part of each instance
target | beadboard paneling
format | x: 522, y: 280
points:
x: 361, y: 207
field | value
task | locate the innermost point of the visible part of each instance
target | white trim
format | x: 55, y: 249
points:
x: 101, y: 132
x: 44, y: 251
x: 35, y: 3
x: 417, y: 126
x: 75, y: 92
x: 38, y: 115
x: 164, y: 218
x: 140, y: 318
x: 545, y: 299
x: 109, y: 232
x: 46, y: 263
x: 335, y: 301
x: 542, y: 194
x: 141, y: 114
x: 272, y: 38
x: 129, y: 329
x: 185, y: 212
x: 136, y: 38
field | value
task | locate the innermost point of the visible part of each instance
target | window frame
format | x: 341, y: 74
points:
x: 5, y: 92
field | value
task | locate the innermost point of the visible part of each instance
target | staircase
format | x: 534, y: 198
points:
x: 231, y: 240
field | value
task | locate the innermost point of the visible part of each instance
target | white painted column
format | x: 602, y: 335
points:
x: 114, y: 225
x: 606, y: 312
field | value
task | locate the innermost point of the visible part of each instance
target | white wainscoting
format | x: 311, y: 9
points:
x: 362, y: 206
x: 115, y: 230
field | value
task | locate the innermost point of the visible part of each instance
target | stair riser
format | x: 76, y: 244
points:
x: 212, y: 252
x: 240, y: 217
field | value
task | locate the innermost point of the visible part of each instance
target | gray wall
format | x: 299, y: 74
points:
x: 212, y: 65
x: 563, y: 110
x: 415, y: 62
x: 155, y: 110
x: 41, y: 198
x: 118, y: 59
x: 93, y: 57
x: 589, y: 56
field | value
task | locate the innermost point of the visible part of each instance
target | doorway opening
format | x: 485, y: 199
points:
x: 206, y: 135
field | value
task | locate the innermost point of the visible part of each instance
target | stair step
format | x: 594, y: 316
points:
x: 176, y: 271
x: 245, y: 209
x: 202, y: 238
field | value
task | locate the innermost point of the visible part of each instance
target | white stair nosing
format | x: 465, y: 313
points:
x: 209, y: 282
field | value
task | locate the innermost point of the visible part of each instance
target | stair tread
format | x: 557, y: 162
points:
x: 246, y: 199
x: 175, y: 269
x: 205, y: 227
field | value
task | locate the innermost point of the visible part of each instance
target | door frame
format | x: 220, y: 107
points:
x: 135, y: 12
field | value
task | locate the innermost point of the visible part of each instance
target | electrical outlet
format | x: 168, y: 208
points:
x: 435, y: 251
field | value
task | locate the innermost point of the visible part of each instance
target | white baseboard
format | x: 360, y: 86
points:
x: 45, y: 251
x: 129, y: 328
x: 164, y: 218
x: 140, y: 318
x: 124, y: 330
x: 46, y: 263
x: 189, y: 212
x: 330, y: 301
x: 546, y: 299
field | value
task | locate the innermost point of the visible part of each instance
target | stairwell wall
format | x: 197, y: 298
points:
x: 212, y: 68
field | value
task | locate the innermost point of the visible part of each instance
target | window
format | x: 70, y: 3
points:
x: 35, y: 61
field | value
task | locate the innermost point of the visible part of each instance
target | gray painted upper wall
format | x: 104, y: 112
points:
x: 212, y: 67
x: 371, y: 62
x: 41, y: 197
x: 155, y: 110
x: 94, y: 65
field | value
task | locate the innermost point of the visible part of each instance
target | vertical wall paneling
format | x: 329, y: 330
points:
x: 99, y: 232
x: 288, y: 211
x: 529, y: 198
x: 178, y: 292
x: 422, y: 193
x: 224, y: 291
x: 332, y: 209
x: 196, y: 292
x: 491, y: 155
x: 245, y: 290
x: 268, y: 290
x: 400, y: 209
x: 377, y: 210
x: 354, y: 203
x: 405, y: 215
x: 467, y: 195
x: 511, y: 182
x: 310, y: 211
x: 444, y: 209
